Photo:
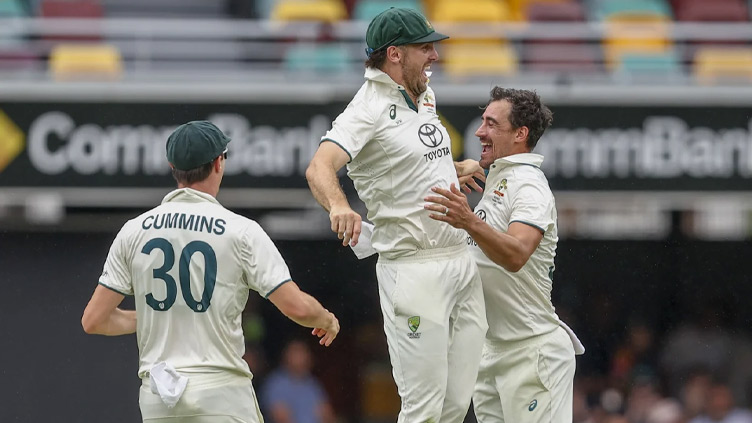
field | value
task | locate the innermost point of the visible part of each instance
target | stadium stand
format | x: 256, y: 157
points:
x: 365, y: 10
x: 723, y: 64
x: 567, y: 11
x: 85, y: 62
x: 309, y: 10
x: 11, y: 9
x: 715, y: 11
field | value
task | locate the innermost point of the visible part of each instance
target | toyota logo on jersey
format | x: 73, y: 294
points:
x: 430, y: 135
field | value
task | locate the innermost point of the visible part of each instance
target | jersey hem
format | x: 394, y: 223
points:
x: 276, y: 287
x: 529, y: 224
x: 114, y: 290
x: 339, y: 145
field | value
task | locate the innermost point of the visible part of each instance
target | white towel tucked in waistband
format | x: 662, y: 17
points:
x: 167, y: 383
x: 579, y: 349
x: 364, y: 249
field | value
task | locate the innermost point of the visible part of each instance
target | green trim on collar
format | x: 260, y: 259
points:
x: 409, y: 100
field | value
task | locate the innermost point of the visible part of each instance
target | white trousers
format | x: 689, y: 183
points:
x: 221, y: 398
x: 529, y: 381
x: 435, y: 323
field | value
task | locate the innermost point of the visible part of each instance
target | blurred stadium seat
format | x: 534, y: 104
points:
x: 164, y: 8
x: 723, y: 64
x: 562, y: 57
x: 307, y: 57
x: 85, y: 62
x: 467, y: 11
x: 567, y: 11
x: 711, y: 11
x: 467, y: 59
x: 635, y: 9
x: 519, y: 8
x: 628, y: 36
x: 365, y: 10
x: 71, y: 9
x: 11, y: 8
x: 309, y: 10
x: 658, y: 64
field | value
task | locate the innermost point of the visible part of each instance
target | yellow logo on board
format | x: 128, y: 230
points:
x: 12, y: 141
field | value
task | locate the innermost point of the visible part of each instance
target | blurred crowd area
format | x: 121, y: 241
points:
x: 619, y: 41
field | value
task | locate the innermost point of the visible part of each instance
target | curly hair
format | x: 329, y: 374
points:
x: 376, y: 59
x: 527, y: 110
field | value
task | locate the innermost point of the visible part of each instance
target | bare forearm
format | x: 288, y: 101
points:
x: 310, y: 313
x: 503, y: 249
x: 324, y: 184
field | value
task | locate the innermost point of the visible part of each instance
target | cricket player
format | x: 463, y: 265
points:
x: 396, y: 149
x: 528, y: 365
x: 190, y: 264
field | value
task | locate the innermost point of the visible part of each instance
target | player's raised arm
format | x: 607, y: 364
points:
x: 305, y: 310
x: 322, y: 178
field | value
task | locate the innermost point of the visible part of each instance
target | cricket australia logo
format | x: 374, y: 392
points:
x: 413, y: 323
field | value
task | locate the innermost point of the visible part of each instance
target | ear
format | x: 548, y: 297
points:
x: 522, y: 133
x: 218, y: 164
x: 393, y: 54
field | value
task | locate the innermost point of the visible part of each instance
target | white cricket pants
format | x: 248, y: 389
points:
x: 527, y: 381
x: 435, y: 324
x: 221, y: 398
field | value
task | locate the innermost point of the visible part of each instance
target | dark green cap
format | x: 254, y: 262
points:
x: 399, y: 26
x: 194, y: 144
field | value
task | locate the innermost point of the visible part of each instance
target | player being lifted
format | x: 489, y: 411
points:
x: 396, y: 150
x: 190, y: 264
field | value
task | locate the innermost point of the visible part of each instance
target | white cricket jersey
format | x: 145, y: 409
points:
x: 190, y: 264
x: 518, y: 305
x: 398, y: 151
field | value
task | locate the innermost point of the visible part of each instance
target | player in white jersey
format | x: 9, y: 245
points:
x: 396, y: 149
x: 190, y: 264
x: 528, y: 365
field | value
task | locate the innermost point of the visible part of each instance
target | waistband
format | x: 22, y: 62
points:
x: 206, y: 380
x: 506, y: 346
x: 432, y: 253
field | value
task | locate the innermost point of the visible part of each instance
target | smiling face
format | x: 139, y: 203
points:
x: 415, y: 64
x: 498, y: 137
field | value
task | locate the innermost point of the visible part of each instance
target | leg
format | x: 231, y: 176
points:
x: 467, y: 332
x: 540, y: 381
x: 417, y: 349
x: 486, y: 398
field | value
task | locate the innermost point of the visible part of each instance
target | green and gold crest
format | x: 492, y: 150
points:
x: 413, y: 323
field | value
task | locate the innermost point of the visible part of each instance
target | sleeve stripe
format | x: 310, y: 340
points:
x: 529, y: 224
x: 275, y: 288
x: 338, y: 144
x: 113, y: 289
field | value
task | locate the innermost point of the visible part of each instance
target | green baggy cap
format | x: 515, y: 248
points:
x: 194, y: 144
x: 399, y: 26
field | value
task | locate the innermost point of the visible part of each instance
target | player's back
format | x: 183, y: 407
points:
x: 189, y: 265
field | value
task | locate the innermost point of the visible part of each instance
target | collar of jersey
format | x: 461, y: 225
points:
x: 188, y: 195
x: 377, y: 75
x: 530, y: 159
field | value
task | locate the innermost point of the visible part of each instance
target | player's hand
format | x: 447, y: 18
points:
x: 327, y: 334
x: 451, y: 207
x: 467, y: 172
x: 346, y: 224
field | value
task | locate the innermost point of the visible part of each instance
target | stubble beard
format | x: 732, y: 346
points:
x: 413, y: 78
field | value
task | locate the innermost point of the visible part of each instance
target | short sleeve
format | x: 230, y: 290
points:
x: 353, y: 128
x: 532, y: 204
x: 263, y: 266
x: 116, y: 274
